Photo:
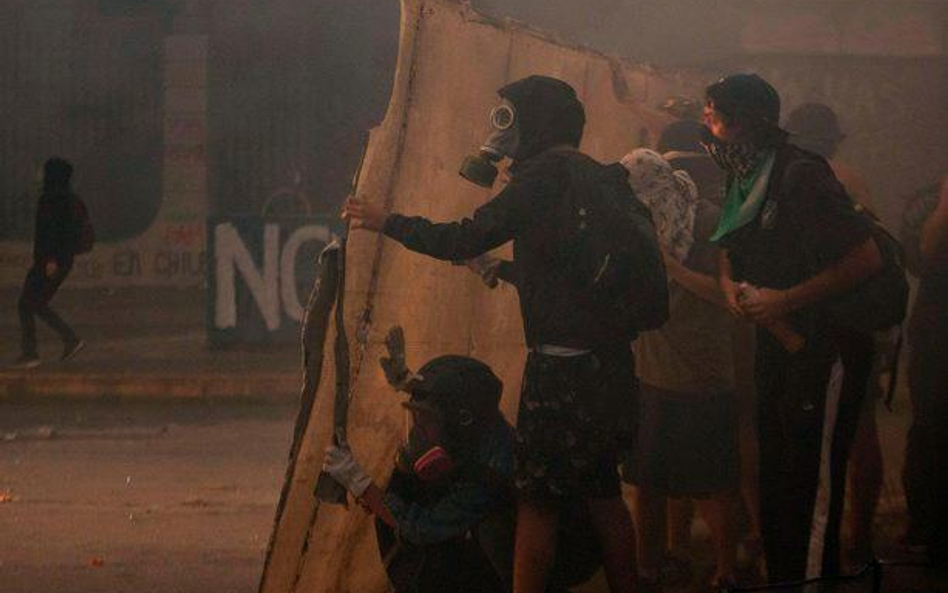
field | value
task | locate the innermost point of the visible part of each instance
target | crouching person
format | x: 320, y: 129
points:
x: 442, y: 517
x: 446, y: 520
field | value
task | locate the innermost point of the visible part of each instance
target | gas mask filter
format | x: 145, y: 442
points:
x: 423, y: 453
x: 503, y: 142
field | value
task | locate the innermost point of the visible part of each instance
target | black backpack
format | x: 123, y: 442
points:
x: 85, y: 233
x: 612, y: 248
x: 880, y: 301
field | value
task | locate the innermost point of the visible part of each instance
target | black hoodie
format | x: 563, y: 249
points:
x: 57, y: 230
x: 528, y: 211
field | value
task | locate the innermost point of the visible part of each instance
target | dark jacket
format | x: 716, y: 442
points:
x: 806, y: 224
x: 527, y: 211
x: 57, y: 230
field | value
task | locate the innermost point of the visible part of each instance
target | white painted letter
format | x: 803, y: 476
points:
x: 230, y: 253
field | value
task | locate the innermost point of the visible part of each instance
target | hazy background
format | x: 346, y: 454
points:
x: 291, y: 85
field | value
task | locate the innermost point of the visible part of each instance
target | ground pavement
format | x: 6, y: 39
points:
x: 142, y: 342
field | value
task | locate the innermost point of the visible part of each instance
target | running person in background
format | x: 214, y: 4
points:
x: 815, y: 127
x: 55, y: 240
x: 769, y: 212
x: 687, y: 445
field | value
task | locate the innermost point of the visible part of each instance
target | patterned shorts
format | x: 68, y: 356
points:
x: 574, y: 414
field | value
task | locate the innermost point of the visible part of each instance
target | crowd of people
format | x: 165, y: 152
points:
x: 771, y: 253
x: 646, y: 288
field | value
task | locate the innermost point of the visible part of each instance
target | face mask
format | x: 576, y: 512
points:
x: 502, y: 143
x: 735, y: 158
x: 423, y: 453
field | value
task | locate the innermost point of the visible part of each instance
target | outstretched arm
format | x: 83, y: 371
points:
x: 701, y: 285
x: 521, y: 203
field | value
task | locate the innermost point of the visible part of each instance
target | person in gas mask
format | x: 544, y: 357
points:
x: 445, y: 521
x: 580, y: 367
x: 441, y: 521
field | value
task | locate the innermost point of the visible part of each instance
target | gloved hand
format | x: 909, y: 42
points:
x: 396, y: 370
x: 342, y: 466
x: 487, y: 267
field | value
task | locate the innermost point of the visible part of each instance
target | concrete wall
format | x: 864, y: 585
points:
x: 166, y: 245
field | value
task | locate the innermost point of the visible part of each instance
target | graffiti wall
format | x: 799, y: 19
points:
x: 170, y: 249
x: 261, y: 271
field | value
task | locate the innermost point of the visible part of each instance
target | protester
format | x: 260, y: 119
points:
x: 687, y: 445
x: 680, y: 145
x: 579, y: 378
x: 450, y: 487
x: 55, y: 241
x: 791, y: 239
x: 815, y: 127
x: 925, y: 475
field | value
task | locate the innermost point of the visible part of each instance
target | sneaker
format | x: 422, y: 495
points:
x: 26, y: 361
x: 71, y: 349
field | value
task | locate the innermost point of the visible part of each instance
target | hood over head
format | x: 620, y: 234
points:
x: 548, y: 114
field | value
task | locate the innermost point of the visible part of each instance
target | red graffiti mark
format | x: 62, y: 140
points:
x: 184, y: 236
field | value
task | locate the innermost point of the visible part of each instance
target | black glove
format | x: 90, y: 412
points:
x: 396, y: 370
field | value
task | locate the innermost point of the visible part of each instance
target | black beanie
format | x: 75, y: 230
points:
x: 747, y: 99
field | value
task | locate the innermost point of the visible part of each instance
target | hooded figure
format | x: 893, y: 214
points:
x: 548, y: 115
x: 537, y: 113
x: 55, y: 243
x: 580, y: 363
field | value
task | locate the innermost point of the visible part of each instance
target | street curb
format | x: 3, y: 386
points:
x: 268, y: 387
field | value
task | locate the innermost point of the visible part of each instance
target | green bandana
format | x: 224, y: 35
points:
x: 744, y: 198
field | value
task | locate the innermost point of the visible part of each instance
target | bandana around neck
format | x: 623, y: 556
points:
x: 745, y: 196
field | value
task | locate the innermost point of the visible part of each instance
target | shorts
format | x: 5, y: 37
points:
x: 574, y: 413
x: 687, y: 444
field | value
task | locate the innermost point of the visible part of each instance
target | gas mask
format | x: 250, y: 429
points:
x: 424, y: 452
x: 503, y: 142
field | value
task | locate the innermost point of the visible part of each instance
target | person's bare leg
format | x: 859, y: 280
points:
x: 744, y: 339
x: 535, y: 547
x: 650, y: 523
x: 720, y: 513
x: 681, y: 513
x: 865, y: 484
x: 616, y: 533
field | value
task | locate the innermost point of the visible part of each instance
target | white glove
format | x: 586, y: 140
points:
x: 342, y: 466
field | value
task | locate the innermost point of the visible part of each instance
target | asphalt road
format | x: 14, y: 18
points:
x: 179, y: 496
x: 115, y: 497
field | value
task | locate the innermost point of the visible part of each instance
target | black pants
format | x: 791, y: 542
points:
x: 807, y: 416
x: 925, y: 475
x: 38, y: 290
